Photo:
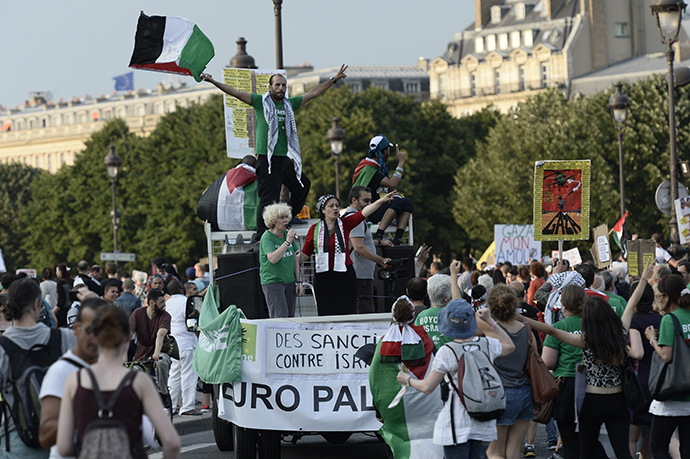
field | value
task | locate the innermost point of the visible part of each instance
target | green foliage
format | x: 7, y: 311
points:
x: 497, y: 185
x: 15, y: 194
x: 436, y: 144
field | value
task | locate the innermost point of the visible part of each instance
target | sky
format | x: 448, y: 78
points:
x: 75, y: 47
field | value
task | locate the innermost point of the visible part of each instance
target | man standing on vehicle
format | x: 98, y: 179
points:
x: 151, y: 324
x: 363, y: 251
x: 277, y: 143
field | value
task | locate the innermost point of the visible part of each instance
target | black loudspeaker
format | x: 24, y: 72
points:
x: 239, y: 283
x: 386, y: 291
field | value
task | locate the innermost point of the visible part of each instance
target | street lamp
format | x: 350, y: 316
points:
x: 669, y: 14
x: 112, y: 163
x: 619, y: 105
x: 336, y: 136
x: 277, y: 5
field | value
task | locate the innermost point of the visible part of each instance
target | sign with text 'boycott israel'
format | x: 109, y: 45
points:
x: 516, y: 244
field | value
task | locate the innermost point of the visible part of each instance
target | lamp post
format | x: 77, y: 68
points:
x: 669, y: 14
x: 336, y: 137
x: 112, y: 163
x: 277, y: 6
x: 619, y: 105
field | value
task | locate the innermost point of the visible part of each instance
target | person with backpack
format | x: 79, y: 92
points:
x: 465, y: 435
x: 83, y: 354
x: 27, y: 349
x: 104, y: 403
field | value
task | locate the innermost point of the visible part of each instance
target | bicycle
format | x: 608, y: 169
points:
x: 141, y: 365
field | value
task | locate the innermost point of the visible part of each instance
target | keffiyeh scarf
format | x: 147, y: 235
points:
x: 321, y: 247
x: 271, y: 115
x: 558, y: 281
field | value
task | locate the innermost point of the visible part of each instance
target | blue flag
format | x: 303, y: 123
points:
x: 124, y: 82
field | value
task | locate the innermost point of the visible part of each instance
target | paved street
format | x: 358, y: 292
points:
x: 198, y: 443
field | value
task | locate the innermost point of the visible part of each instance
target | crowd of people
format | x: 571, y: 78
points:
x: 584, y: 320
x: 83, y: 331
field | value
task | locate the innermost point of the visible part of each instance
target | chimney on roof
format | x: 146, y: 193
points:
x: 482, y: 11
x: 242, y: 60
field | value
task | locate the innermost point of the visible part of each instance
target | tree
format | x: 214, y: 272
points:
x: 549, y: 127
x: 15, y: 194
x: 437, y: 145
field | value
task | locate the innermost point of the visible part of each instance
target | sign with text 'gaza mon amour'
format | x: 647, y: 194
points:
x: 516, y: 244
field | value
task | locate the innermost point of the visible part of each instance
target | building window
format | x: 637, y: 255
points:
x: 62, y: 159
x: 621, y: 29
x: 479, y: 44
x: 503, y: 41
x: 380, y: 84
x: 355, y: 87
x: 31, y: 124
x: 497, y: 82
x: 473, y: 84
x: 38, y: 161
x: 442, y: 84
x: 528, y: 38
x: 412, y: 86
x: 515, y: 39
x: 82, y: 118
x: 495, y: 14
x: 544, y: 75
x: 44, y: 122
x: 158, y: 110
x: 50, y: 162
x: 69, y: 119
x: 521, y: 78
x: 491, y: 43
x: 520, y: 11
x: 122, y: 112
x: 141, y: 110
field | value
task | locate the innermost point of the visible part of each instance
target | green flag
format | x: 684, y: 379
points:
x: 218, y: 355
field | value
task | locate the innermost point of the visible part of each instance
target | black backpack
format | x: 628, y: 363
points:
x: 28, y: 367
x: 105, y: 434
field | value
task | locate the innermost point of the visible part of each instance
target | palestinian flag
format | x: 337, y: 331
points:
x: 405, y: 344
x: 231, y: 202
x: 365, y: 171
x: 408, y: 428
x: 171, y: 45
x: 618, y: 231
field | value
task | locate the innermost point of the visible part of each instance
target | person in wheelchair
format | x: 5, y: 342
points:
x: 151, y: 324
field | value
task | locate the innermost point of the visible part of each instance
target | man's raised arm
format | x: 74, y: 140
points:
x: 320, y: 89
x: 227, y: 89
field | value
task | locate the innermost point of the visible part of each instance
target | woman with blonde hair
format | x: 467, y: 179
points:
x: 512, y: 426
x: 138, y: 395
x: 279, y: 262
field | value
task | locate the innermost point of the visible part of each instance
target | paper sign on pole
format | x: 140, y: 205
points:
x: 683, y: 218
x: 240, y: 120
x: 516, y: 244
x: 600, y: 249
x: 561, y: 200
x: 639, y: 253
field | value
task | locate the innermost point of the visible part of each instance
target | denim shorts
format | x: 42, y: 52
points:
x: 519, y: 405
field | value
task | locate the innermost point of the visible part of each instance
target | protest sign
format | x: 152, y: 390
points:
x: 639, y: 253
x: 516, y: 244
x: 600, y: 249
x: 683, y: 218
x: 240, y: 120
x: 561, y: 200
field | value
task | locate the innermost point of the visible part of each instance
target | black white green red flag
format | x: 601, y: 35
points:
x: 172, y: 45
x: 618, y: 230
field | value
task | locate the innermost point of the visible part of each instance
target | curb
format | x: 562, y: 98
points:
x: 193, y: 424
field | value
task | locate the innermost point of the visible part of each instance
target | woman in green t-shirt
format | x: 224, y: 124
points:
x: 278, y: 266
x: 562, y: 359
x: 671, y: 414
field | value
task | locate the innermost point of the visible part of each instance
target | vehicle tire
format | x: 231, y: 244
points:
x: 244, y: 442
x: 222, y: 431
x: 336, y: 438
x: 269, y: 444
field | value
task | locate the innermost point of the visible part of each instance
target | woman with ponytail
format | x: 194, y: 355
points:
x: 139, y: 396
x: 674, y: 298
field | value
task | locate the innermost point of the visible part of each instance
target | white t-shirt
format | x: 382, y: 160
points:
x: 54, y: 383
x: 176, y: 307
x: 466, y: 427
x: 662, y: 256
x: 669, y: 408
